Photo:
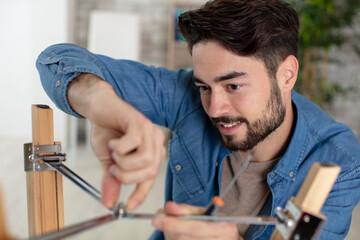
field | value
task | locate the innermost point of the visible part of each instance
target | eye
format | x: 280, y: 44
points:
x: 202, y: 88
x: 233, y: 87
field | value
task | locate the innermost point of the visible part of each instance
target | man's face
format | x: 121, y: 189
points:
x: 244, y: 104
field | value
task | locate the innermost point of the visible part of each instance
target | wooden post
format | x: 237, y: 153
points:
x: 314, y: 190
x: 3, y: 228
x: 44, y: 188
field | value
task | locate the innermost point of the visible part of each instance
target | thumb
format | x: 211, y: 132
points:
x: 110, y: 189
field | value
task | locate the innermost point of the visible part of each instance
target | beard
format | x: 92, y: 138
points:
x: 272, y: 117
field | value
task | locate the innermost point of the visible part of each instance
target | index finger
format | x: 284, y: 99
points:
x: 139, y: 194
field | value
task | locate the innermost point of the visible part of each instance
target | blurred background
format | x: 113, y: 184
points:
x: 143, y: 30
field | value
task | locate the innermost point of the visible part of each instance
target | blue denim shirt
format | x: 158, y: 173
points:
x: 169, y: 99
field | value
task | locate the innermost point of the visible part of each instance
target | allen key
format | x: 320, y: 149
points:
x: 72, y: 176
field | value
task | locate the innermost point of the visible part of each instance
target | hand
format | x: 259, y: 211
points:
x: 176, y: 228
x: 129, y: 146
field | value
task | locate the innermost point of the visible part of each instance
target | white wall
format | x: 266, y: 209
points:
x: 26, y: 28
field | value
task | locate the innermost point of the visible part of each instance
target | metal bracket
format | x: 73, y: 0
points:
x: 303, y: 226
x: 33, y: 161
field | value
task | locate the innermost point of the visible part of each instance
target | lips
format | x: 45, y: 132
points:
x: 229, y: 128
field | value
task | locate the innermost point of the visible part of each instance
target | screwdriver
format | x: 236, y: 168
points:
x: 217, y: 201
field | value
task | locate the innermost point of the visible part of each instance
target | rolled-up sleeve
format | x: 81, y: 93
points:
x: 162, y: 95
x: 58, y: 65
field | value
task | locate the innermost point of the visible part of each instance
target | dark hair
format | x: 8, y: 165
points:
x: 265, y: 29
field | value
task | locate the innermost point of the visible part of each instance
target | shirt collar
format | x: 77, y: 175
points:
x: 289, y: 163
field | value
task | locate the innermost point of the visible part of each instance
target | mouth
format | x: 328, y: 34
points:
x: 229, y: 128
x: 230, y: 125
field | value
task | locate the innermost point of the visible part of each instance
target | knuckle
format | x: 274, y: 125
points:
x: 152, y: 173
x: 145, y: 123
x: 136, y: 140
x: 123, y: 178
x: 146, y: 159
x: 160, y: 135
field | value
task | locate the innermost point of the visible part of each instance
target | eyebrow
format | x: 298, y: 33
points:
x: 222, y: 78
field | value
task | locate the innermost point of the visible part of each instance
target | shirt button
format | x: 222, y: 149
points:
x: 48, y: 59
x: 66, y: 67
x: 291, y: 174
x: 178, y: 167
x: 58, y: 83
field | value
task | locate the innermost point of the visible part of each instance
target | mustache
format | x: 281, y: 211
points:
x: 228, y: 119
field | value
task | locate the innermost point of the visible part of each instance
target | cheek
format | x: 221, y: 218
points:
x: 251, y: 104
x: 205, y: 100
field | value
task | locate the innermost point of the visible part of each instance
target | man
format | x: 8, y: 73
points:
x: 238, y: 97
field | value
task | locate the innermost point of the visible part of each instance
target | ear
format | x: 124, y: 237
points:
x: 287, y: 73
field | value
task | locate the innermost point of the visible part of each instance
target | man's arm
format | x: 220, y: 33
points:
x: 161, y: 95
x: 128, y: 145
x: 121, y: 98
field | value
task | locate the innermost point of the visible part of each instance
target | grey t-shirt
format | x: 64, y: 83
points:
x: 250, y: 191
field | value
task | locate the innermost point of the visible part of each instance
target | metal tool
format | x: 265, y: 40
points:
x: 71, y: 230
x: 282, y: 221
x: 77, y: 228
x: 258, y: 220
x: 72, y: 176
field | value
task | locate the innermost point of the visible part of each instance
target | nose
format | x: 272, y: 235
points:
x: 219, y: 105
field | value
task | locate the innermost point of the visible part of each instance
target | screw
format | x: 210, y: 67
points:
x: 289, y: 223
x: 306, y: 218
x: 297, y: 237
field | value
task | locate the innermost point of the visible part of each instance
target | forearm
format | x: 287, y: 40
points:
x: 82, y: 90
x: 93, y: 98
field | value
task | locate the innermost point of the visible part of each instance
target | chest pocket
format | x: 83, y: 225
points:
x: 187, y: 180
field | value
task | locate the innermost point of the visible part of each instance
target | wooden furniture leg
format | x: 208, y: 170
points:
x: 3, y: 228
x: 44, y: 188
x: 314, y: 190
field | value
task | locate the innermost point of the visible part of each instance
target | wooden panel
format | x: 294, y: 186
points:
x: 44, y: 189
x: 314, y: 190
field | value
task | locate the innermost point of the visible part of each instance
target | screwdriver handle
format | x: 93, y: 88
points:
x: 214, y: 205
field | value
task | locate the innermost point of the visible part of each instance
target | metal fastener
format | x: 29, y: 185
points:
x: 58, y: 83
x: 178, y: 167
x: 306, y: 218
x: 48, y: 59
x: 291, y: 174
